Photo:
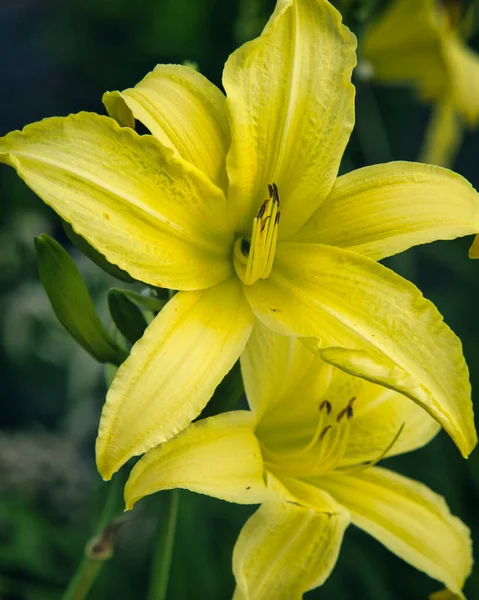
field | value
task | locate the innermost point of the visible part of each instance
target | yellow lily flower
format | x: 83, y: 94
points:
x: 236, y: 203
x: 422, y: 43
x: 306, y: 451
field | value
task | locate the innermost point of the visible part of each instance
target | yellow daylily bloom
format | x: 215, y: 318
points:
x: 307, y: 452
x: 423, y: 43
x: 235, y: 202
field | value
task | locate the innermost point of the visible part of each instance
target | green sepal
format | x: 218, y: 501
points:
x: 93, y: 254
x: 127, y: 316
x: 71, y: 301
x: 148, y: 302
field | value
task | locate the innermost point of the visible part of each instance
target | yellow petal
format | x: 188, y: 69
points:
x: 219, y: 456
x: 443, y: 135
x: 285, y: 549
x: 303, y: 493
x: 463, y: 66
x: 404, y: 46
x: 148, y: 212
x: 379, y: 414
x: 273, y: 367
x: 290, y: 107
x: 474, y: 249
x: 445, y: 595
x: 184, y: 111
x: 172, y: 372
x: 384, y: 209
x: 409, y: 519
x: 371, y: 323
x: 285, y: 385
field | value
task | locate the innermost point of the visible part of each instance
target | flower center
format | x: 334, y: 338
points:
x: 330, y: 439
x: 324, y: 450
x: 253, y: 258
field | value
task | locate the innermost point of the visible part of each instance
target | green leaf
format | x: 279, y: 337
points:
x: 227, y: 394
x: 72, y: 303
x: 148, y: 302
x: 127, y: 316
x: 95, y: 256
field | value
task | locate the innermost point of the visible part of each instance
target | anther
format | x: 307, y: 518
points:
x: 327, y: 405
x: 262, y: 209
x: 273, y: 192
x: 348, y: 410
x: 263, y: 223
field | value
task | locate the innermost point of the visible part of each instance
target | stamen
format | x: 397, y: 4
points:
x: 325, y: 431
x: 329, y: 439
x: 327, y: 405
x: 262, y: 246
x: 332, y: 449
x: 348, y: 410
x: 322, y: 427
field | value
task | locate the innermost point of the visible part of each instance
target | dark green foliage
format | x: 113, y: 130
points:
x: 127, y: 316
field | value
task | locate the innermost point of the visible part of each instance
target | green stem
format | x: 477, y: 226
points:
x: 83, y: 579
x: 165, y: 539
x: 370, y: 129
x: 100, y: 547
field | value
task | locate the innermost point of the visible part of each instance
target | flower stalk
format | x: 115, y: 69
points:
x: 165, y: 539
x: 100, y: 547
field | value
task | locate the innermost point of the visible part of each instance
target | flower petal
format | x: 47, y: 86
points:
x: 148, y: 212
x: 474, y: 249
x: 285, y: 549
x: 219, y: 456
x: 371, y: 323
x: 404, y: 46
x: 172, y: 372
x: 409, y: 519
x: 286, y: 383
x: 445, y: 595
x: 384, y: 209
x: 379, y: 414
x: 463, y: 66
x: 273, y: 367
x: 290, y: 104
x: 184, y: 111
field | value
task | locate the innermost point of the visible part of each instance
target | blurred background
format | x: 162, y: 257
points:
x: 59, y: 57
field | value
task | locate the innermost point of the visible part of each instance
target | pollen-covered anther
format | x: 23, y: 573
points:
x: 347, y: 410
x: 326, y: 405
x: 254, y: 258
